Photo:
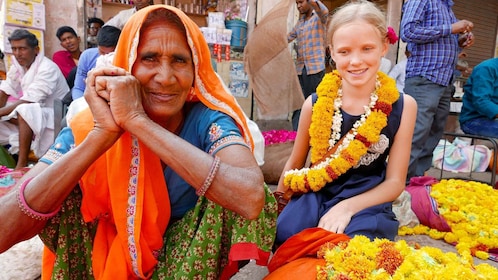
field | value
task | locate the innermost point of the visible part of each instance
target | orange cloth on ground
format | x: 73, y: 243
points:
x: 300, y: 269
x: 296, y: 257
x: 125, y: 189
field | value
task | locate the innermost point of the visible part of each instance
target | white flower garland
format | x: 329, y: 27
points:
x: 336, y: 130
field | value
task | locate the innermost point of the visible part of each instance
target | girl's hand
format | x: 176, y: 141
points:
x: 336, y: 219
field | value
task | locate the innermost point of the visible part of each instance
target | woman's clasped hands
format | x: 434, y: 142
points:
x: 114, y: 97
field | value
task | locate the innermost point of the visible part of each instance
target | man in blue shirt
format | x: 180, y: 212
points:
x: 431, y: 31
x: 480, y: 100
x: 107, y: 39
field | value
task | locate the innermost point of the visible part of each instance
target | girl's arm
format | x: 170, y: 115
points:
x: 299, y: 154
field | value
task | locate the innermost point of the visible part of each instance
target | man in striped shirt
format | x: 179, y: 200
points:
x: 431, y: 31
x: 309, y: 33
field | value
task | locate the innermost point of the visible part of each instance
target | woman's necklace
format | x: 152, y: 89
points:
x: 329, y: 161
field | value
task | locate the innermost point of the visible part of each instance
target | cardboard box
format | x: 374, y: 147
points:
x: 24, y: 13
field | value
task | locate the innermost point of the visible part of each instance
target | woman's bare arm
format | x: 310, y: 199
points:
x: 50, y: 186
x: 238, y: 184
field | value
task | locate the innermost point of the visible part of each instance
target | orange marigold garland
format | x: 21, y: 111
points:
x: 325, y: 133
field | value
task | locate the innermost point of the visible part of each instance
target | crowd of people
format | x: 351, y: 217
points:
x: 27, y: 97
x: 155, y: 174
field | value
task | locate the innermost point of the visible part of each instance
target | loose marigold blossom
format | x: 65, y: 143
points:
x: 361, y: 258
x: 471, y: 210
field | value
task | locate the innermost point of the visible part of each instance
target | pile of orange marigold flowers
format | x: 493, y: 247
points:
x: 471, y: 210
x: 360, y: 258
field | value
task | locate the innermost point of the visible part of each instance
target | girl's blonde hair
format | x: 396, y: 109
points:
x: 358, y: 9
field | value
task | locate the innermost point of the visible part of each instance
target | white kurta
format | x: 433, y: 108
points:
x: 41, y: 85
x: 121, y: 18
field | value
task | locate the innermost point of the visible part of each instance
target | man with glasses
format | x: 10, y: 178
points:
x: 94, y: 25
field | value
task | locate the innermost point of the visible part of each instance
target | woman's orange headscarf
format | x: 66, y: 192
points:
x: 125, y: 189
x: 208, y: 87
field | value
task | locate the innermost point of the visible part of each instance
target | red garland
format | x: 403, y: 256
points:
x: 384, y: 107
x: 363, y: 140
x: 306, y: 184
x: 348, y: 157
x: 331, y: 172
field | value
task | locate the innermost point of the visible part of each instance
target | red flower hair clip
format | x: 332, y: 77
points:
x: 391, y: 35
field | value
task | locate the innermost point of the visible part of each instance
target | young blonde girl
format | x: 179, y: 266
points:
x: 355, y: 121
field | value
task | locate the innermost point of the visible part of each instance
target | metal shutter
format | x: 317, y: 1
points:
x: 484, y: 15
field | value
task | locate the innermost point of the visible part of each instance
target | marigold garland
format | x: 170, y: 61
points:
x: 361, y: 258
x: 471, y: 210
x: 356, y: 141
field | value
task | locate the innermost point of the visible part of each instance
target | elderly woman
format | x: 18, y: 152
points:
x: 168, y: 185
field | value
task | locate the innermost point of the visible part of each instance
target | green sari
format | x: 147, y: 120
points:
x: 207, y: 243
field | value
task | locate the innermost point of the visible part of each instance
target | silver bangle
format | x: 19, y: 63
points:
x: 210, y: 177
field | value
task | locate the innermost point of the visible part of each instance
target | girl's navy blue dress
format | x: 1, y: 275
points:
x: 379, y: 221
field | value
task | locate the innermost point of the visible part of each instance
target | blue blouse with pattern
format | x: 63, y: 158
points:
x: 206, y: 129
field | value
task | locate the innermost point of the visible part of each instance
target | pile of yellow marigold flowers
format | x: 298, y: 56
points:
x: 470, y: 209
x: 360, y: 258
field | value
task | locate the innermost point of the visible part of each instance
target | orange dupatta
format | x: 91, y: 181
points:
x: 296, y: 258
x: 125, y: 188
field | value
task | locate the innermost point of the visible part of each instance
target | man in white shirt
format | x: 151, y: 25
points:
x: 27, y: 98
x: 385, y: 65
x: 122, y: 17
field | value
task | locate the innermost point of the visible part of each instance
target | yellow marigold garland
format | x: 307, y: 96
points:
x: 471, y: 210
x: 355, y: 146
x: 360, y: 258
